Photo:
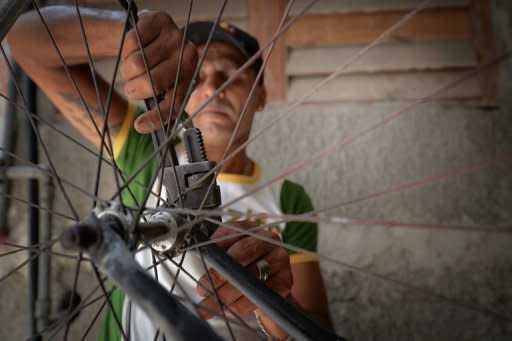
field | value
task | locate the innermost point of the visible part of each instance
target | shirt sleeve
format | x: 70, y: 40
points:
x: 132, y: 152
x: 109, y: 329
x: 295, y: 200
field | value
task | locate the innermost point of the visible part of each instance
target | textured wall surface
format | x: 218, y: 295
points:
x: 469, y: 267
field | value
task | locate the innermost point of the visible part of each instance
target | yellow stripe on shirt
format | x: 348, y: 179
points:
x: 240, y: 178
x: 121, y: 137
x: 302, y: 258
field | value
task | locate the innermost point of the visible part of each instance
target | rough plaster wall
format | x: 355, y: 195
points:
x: 77, y: 167
x: 472, y: 267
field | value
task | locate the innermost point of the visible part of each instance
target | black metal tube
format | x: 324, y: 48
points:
x: 291, y: 319
x: 176, y: 321
x: 43, y: 305
x: 9, y: 12
x: 33, y: 212
x: 8, y: 143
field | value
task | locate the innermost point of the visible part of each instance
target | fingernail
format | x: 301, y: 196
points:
x: 204, y: 312
x: 143, y: 125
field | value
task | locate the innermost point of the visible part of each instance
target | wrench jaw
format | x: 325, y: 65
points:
x: 185, y: 188
x: 204, y: 195
x: 188, y: 185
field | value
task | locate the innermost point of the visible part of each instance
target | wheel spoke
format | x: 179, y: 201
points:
x: 36, y: 131
x: 18, y: 267
x: 179, y: 266
x: 216, y: 295
x: 42, y: 208
x: 495, y: 161
x: 170, y: 146
x: 105, y: 132
x: 364, y: 132
x: 399, y: 284
x: 73, y: 291
x: 505, y: 228
x: 35, y: 247
x: 214, y: 95
x: 57, y: 178
x: 342, y: 68
x: 238, y: 320
x: 61, y: 323
x: 243, y: 111
x: 67, y: 71
x: 94, y: 319
x: 69, y: 183
x: 112, y: 310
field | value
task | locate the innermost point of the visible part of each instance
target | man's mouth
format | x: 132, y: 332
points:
x: 217, y: 109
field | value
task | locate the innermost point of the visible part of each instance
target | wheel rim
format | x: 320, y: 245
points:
x: 429, y: 178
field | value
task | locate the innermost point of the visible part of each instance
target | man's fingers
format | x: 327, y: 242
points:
x: 247, y: 250
x: 241, y: 307
x: 204, y: 286
x: 163, y: 76
x: 235, y: 302
x: 141, y: 87
x: 149, y: 27
x: 151, y: 120
x: 156, y: 52
x: 278, y: 260
x: 225, y: 231
x: 227, y: 295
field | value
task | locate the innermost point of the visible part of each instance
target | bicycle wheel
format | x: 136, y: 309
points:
x: 363, y: 253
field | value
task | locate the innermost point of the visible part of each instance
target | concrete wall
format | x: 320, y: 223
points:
x: 472, y: 267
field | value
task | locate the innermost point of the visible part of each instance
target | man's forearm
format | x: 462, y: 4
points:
x: 29, y: 36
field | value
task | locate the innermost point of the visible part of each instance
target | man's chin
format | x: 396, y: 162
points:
x: 214, y: 134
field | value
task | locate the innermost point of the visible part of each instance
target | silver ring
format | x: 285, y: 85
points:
x: 264, y: 269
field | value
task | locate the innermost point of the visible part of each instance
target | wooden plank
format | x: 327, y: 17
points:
x: 413, y: 56
x: 240, y: 22
x: 484, y: 39
x: 349, y: 6
x: 264, y: 19
x: 359, y: 28
x: 383, y: 87
x: 201, y: 10
x: 4, y: 73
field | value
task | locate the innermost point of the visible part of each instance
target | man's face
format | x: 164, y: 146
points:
x: 219, y: 118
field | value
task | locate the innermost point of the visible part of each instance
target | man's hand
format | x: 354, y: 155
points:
x: 161, y: 40
x: 247, y: 250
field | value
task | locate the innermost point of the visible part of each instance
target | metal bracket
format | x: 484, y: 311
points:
x: 183, y: 189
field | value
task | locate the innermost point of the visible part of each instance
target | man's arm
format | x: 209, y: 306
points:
x: 308, y: 292
x: 33, y: 49
x: 160, y: 38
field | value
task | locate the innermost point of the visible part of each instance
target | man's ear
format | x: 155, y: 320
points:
x: 262, y: 97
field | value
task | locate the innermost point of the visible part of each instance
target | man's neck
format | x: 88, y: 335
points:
x: 238, y: 164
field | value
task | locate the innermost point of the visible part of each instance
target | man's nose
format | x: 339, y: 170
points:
x: 211, y: 84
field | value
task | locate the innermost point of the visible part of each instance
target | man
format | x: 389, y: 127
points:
x: 296, y: 276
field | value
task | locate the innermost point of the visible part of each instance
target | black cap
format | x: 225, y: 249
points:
x: 198, y: 32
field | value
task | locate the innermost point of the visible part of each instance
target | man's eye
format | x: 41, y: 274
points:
x: 237, y: 76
